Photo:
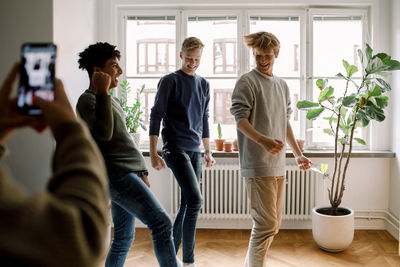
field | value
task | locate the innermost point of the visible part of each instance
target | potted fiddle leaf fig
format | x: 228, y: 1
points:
x: 359, y: 104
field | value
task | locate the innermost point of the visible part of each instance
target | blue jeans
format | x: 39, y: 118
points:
x: 186, y: 166
x: 131, y: 199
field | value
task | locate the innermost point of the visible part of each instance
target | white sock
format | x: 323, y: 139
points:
x: 179, y: 262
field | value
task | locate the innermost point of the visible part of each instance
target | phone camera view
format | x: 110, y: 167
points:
x: 37, y: 76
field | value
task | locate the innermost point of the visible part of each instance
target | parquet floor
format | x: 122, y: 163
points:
x: 291, y: 248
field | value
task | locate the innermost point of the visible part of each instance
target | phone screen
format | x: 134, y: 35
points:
x: 36, y: 76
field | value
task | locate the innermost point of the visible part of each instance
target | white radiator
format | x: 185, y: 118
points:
x: 225, y: 197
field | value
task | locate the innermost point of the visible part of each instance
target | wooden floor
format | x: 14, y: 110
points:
x: 227, y: 248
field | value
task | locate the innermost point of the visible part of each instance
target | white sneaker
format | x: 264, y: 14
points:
x: 179, y: 262
x: 190, y: 265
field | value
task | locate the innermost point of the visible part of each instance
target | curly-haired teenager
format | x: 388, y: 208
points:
x: 127, y: 172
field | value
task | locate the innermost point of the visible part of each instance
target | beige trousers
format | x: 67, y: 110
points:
x: 266, y: 197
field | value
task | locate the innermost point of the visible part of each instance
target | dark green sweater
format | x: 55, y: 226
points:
x: 106, y: 121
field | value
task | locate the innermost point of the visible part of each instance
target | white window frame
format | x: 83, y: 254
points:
x: 310, y: 12
x: 243, y: 14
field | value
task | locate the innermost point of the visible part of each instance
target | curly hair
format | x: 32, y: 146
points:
x: 96, y: 55
x: 262, y: 41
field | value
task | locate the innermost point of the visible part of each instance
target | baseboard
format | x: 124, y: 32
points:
x: 364, y: 220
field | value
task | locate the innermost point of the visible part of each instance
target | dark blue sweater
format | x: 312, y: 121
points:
x: 182, y: 105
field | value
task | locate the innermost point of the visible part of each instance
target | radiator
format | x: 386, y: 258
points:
x: 225, y: 197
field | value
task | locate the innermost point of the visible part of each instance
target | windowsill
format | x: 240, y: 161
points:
x: 307, y: 153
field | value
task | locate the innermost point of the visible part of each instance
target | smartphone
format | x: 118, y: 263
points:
x: 36, y: 76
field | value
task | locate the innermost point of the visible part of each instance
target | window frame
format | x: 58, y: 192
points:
x: 310, y: 12
x: 304, y: 12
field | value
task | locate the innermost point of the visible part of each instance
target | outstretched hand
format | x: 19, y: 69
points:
x: 303, y: 162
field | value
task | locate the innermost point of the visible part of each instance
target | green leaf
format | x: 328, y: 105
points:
x: 321, y: 83
x: 374, y: 112
x: 382, y: 101
x: 340, y: 75
x: 305, y: 104
x: 360, y: 141
x: 375, y: 65
x: 312, y: 114
x: 390, y: 63
x: 343, y: 141
x: 368, y: 51
x: 345, y: 64
x: 363, y: 118
x: 219, y: 129
x: 350, y: 69
x: 377, y: 91
x: 324, y: 167
x: 325, y: 94
x: 329, y: 131
x: 350, y: 100
x: 384, y: 84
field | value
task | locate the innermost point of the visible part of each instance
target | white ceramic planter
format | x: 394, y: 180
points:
x: 136, y: 139
x: 333, y: 233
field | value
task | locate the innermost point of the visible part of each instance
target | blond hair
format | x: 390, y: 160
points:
x: 191, y: 43
x: 262, y: 41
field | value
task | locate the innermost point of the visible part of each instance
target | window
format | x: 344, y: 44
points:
x: 222, y: 104
x: 224, y: 56
x: 313, y: 44
x: 330, y: 45
x: 153, y: 56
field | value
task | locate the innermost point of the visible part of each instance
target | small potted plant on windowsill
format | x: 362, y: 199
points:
x: 333, y: 227
x: 219, y: 143
x: 134, y: 113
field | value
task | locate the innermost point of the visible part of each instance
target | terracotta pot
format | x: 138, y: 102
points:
x: 219, y: 144
x: 235, y: 145
x: 227, y: 146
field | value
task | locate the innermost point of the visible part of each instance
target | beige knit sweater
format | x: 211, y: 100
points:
x: 66, y: 224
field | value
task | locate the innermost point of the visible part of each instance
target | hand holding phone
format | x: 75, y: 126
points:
x: 37, y: 76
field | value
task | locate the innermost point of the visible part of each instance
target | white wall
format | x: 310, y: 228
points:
x: 72, y: 26
x: 26, y: 21
x: 394, y: 204
x: 75, y: 28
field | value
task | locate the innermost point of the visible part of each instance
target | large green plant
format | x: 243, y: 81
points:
x: 133, y: 114
x: 351, y: 110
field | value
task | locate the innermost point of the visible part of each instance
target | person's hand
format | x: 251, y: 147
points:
x: 145, y: 180
x: 58, y: 111
x: 10, y: 119
x: 210, y: 161
x: 157, y: 162
x: 100, y: 82
x: 303, y: 163
x: 273, y: 146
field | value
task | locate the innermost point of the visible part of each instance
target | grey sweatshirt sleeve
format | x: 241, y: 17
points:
x: 242, y: 100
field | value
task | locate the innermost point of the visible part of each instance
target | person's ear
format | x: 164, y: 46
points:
x: 96, y: 69
x: 276, y: 52
x: 181, y: 55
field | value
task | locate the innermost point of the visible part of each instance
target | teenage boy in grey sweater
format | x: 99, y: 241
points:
x: 261, y: 107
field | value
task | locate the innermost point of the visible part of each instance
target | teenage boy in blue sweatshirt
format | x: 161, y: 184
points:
x: 181, y: 104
